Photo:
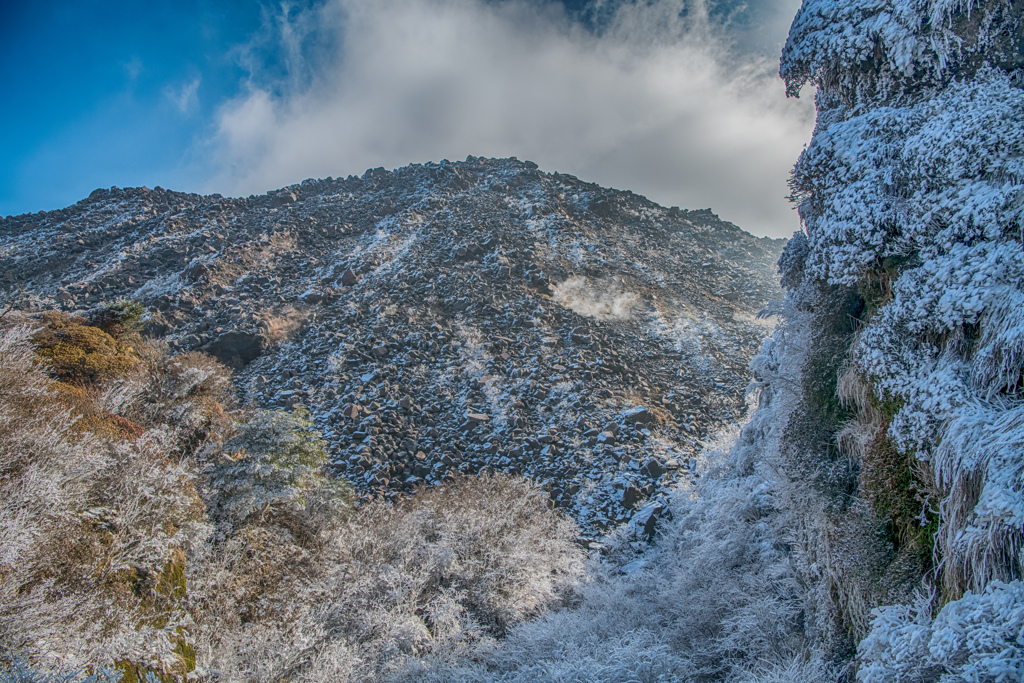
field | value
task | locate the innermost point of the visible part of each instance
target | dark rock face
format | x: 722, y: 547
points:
x: 441, y: 318
x: 236, y: 349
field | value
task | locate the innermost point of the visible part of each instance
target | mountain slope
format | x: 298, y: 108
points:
x: 441, y: 317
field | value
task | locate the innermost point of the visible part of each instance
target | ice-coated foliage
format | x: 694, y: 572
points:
x: 981, y: 464
x: 916, y: 180
x: 976, y: 638
x: 912, y: 192
x: 794, y: 260
x: 439, y: 575
x: 935, y: 187
x: 274, y: 465
x: 910, y: 37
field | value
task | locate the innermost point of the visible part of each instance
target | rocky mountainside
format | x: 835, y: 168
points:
x: 441, y: 318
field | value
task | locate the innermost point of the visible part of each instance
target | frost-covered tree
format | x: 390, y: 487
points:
x: 274, y: 467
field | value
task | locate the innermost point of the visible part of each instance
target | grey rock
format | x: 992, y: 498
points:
x: 653, y: 468
x: 630, y: 496
x: 638, y: 415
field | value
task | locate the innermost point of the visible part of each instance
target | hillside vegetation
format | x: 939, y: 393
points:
x: 153, y: 528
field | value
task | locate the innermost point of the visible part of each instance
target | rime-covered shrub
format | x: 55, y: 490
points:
x: 876, y: 50
x: 440, y: 574
x: 793, y: 260
x: 274, y: 466
x: 715, y: 599
x: 212, y: 539
x: 195, y: 375
x: 975, y: 638
x: 93, y: 531
x: 20, y: 671
x: 490, y: 542
x: 935, y: 181
x: 926, y: 177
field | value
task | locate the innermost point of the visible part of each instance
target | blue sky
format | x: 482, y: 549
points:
x: 676, y: 101
x: 107, y: 92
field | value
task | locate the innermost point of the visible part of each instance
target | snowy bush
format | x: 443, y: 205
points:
x: 274, y: 466
x: 858, y: 50
x: 793, y: 260
x: 976, y: 638
x: 441, y: 574
x: 93, y: 531
x: 933, y: 185
x: 914, y: 180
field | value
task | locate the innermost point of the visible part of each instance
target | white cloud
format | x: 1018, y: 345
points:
x: 132, y: 68
x: 656, y: 104
x: 185, y: 97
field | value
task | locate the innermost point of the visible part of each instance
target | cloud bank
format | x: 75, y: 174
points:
x: 656, y: 102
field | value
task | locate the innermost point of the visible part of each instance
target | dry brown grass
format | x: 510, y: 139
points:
x: 279, y: 325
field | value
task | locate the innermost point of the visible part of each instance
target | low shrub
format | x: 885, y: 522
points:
x: 78, y: 353
x: 120, y: 319
x: 440, y: 574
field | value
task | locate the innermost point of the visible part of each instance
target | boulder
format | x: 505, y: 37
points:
x: 646, y: 518
x: 282, y: 199
x: 638, y: 415
x: 630, y: 496
x: 653, y: 468
x: 196, y: 271
x: 237, y: 348
x: 311, y: 297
